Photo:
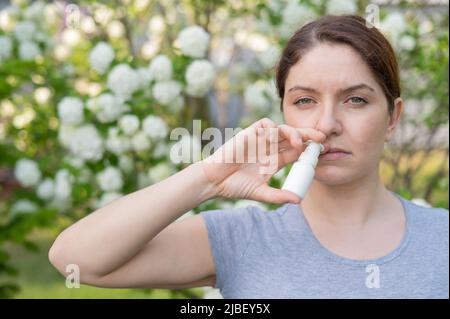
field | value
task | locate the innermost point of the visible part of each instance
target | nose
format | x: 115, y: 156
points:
x: 328, y: 121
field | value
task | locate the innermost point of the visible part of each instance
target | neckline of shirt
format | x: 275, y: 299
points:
x: 358, y: 262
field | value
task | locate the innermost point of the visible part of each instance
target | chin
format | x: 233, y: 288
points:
x: 333, y: 175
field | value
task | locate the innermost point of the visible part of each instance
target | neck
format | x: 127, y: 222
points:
x: 350, y: 204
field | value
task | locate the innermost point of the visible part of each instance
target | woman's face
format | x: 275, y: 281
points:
x: 332, y: 90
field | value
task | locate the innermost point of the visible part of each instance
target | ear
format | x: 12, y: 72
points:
x: 394, y: 119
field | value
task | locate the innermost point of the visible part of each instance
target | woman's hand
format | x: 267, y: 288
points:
x: 243, y: 165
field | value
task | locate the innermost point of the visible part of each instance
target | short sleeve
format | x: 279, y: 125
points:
x: 229, y: 233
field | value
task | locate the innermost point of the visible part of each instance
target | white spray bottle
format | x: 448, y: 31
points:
x: 302, y: 172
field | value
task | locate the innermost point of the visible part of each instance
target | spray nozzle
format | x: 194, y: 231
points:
x: 312, y: 152
x: 302, y: 172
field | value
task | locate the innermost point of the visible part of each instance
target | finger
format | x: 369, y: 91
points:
x: 288, y: 156
x: 273, y: 195
x: 292, y: 135
x: 284, y: 145
x: 312, y: 134
x: 270, y: 130
x: 264, y: 123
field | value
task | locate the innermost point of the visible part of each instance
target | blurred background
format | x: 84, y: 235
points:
x: 90, y: 90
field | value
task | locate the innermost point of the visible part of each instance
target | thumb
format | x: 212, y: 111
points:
x: 273, y: 195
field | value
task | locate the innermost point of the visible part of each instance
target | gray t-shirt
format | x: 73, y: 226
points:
x: 274, y: 254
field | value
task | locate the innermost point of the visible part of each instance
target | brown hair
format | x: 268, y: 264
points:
x: 373, y: 47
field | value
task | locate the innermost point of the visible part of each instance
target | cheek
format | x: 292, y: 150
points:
x: 293, y: 117
x: 366, y: 137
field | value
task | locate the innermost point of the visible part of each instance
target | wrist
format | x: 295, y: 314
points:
x: 208, y: 188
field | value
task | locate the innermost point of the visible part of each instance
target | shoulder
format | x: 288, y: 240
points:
x: 430, y: 221
x: 250, y: 214
x: 428, y: 215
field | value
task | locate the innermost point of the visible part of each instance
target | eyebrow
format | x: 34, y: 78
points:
x: 342, y: 91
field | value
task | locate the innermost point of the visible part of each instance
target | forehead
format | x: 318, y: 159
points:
x: 331, y: 66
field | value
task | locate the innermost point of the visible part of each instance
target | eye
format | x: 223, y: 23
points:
x: 357, y: 100
x: 303, y: 100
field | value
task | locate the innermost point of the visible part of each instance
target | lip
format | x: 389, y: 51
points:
x: 334, y: 153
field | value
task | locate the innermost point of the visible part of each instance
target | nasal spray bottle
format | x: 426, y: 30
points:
x: 302, y: 172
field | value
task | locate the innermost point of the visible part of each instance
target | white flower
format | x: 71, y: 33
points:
x: 295, y: 15
x: 247, y: 202
x: 166, y: 92
x: 186, y: 150
x: 5, y: 47
x: 156, y: 25
x: 46, y: 189
x: 70, y: 110
x: 75, y: 161
x: 110, y: 179
x: 407, y: 42
x: 61, y: 204
x: 65, y: 134
x: 123, y: 81
x: 160, y: 150
x: 28, y: 50
x: 339, y: 7
x: 27, y: 172
x: 145, y: 77
x: 115, y: 143
x: 115, y: 29
x: 212, y: 293
x: 35, y: 11
x: 176, y: 105
x: 101, y: 57
x: 143, y: 180
x: 126, y: 163
x: 140, y: 142
x: 63, y: 185
x: 71, y: 37
x: 107, y: 198
x: 255, y: 98
x: 193, y: 41
x: 425, y: 26
x: 129, y: 124
x: 107, y: 107
x: 88, y: 25
x: 274, y: 5
x: 51, y: 14
x: 86, y: 143
x: 421, y: 202
x: 199, y: 77
x: 269, y: 57
x: 23, y: 206
x: 24, y: 31
x: 161, y: 68
x: 393, y: 25
x: 42, y: 95
x: 41, y: 37
x: 154, y: 127
x: 159, y: 172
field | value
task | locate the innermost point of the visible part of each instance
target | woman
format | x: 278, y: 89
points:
x: 349, y: 237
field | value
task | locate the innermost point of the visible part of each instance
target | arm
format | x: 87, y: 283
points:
x: 133, y: 242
